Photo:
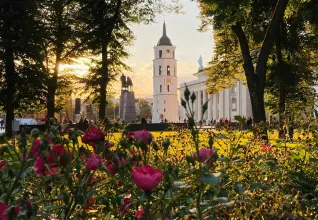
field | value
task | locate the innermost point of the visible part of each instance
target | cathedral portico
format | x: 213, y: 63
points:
x: 226, y: 104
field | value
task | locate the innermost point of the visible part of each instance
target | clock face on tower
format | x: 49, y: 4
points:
x: 168, y: 51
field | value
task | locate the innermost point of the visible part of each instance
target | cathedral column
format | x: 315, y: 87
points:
x: 199, y: 106
x: 210, y: 105
x: 215, y: 107
x: 195, y: 107
x: 204, y: 101
x: 221, y: 104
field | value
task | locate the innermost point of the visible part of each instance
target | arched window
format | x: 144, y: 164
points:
x: 164, y: 110
x: 160, y: 53
x: 168, y: 70
x: 160, y: 88
x: 168, y: 88
x: 160, y: 70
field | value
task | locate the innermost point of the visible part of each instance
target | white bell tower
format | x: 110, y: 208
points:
x: 165, y: 98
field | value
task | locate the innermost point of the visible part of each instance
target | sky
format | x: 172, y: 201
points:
x: 182, y: 31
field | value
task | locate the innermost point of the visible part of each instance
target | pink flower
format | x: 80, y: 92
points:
x: 29, y: 204
x: 204, y: 154
x: 147, y: 178
x: 93, y: 162
x: 39, y: 165
x: 35, y: 147
x: 111, y: 168
x: 266, y: 148
x: 51, y: 171
x: 125, y: 204
x: 143, y: 136
x: 59, y: 156
x: 17, y: 209
x: 90, y: 203
x: 121, y: 161
x: 140, y: 213
x: 93, y: 134
x: 130, y: 135
x: 3, y: 164
x: 58, y: 150
x: 3, y: 208
x: 109, y: 144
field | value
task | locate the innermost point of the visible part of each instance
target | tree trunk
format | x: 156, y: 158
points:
x: 103, y: 85
x: 282, y: 87
x: 256, y: 79
x: 10, y: 90
x: 52, y: 82
x: 51, y: 90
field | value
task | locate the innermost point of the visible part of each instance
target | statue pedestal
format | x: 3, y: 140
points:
x: 127, y: 106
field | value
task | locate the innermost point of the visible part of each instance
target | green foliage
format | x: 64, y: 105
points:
x: 144, y: 110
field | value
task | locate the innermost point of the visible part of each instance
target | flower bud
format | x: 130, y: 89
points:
x: 183, y: 103
x: 166, y: 144
x: 193, y: 97
x: 187, y: 93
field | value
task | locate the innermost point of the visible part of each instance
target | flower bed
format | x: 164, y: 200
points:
x: 187, y: 173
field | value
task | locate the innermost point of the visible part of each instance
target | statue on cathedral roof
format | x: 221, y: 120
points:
x: 200, y: 62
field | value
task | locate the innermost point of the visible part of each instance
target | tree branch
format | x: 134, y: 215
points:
x: 269, y: 40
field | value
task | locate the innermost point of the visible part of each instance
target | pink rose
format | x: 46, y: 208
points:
x: 39, y: 165
x: 93, y: 162
x: 3, y: 208
x: 93, y: 134
x: 17, y: 209
x: 147, y: 178
x: 111, y: 168
x: 204, y: 154
x: 58, y: 150
x: 140, y: 213
x: 35, y: 147
x: 125, y: 204
x: 143, y: 136
x: 266, y: 148
x: 3, y: 164
x: 59, y: 156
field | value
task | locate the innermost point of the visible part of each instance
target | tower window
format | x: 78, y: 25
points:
x: 160, y: 53
x: 168, y: 70
x: 174, y: 71
x: 160, y: 88
x: 173, y: 54
x: 168, y: 88
x: 164, y: 101
x: 160, y: 70
x: 164, y: 110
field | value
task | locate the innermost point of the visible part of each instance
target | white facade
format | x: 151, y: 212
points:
x: 165, y: 81
x: 226, y: 104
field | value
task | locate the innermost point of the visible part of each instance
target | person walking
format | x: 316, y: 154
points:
x: 2, y: 123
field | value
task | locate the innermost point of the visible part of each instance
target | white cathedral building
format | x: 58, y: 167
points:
x: 226, y: 104
x: 165, y: 81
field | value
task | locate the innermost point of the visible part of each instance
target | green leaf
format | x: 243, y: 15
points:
x: 221, y: 137
x: 239, y: 188
x: 224, y: 159
x: 211, y: 179
x: 315, y: 160
x: 239, y: 160
x: 256, y: 186
x: 221, y: 199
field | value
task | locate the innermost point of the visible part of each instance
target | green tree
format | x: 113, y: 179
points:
x: 235, y: 20
x: 107, y: 27
x: 21, y: 63
x: 62, y: 42
x: 144, y: 110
